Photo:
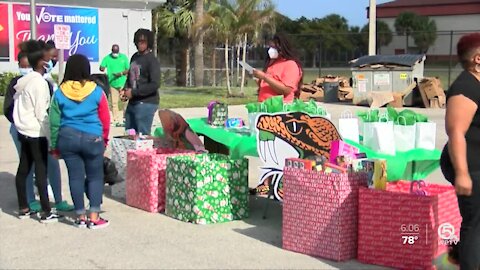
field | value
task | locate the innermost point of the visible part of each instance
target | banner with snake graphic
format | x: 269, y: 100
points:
x: 289, y: 135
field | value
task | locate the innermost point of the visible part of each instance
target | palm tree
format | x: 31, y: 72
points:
x: 255, y: 15
x: 175, y: 21
x: 425, y: 33
x: 198, y: 42
x: 384, y: 35
x: 220, y: 21
x: 405, y: 24
x: 232, y: 21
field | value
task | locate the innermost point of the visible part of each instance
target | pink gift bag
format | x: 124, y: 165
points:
x: 402, y: 229
x: 145, y: 183
x: 341, y: 148
x: 320, y: 213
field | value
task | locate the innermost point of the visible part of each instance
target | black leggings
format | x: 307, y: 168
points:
x: 469, y: 246
x: 34, y: 150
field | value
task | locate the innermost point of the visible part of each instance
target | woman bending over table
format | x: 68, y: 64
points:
x: 283, y: 72
x: 460, y: 160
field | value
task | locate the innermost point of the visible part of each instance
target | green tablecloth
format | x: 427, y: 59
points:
x: 412, y: 165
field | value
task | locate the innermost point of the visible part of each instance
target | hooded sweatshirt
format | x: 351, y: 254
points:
x: 81, y: 106
x: 31, y: 102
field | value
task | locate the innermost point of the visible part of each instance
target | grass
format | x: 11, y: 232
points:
x: 188, y: 97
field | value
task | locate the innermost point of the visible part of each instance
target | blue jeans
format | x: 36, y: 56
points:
x: 83, y: 155
x: 53, y: 172
x: 139, y: 116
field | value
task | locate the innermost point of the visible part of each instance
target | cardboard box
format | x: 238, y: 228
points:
x: 311, y: 92
x: 397, y: 100
x: 432, y: 92
x: 378, y: 99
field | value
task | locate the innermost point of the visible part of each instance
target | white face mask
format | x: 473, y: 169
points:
x: 273, y: 53
x: 25, y: 71
x: 115, y: 55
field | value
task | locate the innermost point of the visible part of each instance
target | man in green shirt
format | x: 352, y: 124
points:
x: 117, y: 66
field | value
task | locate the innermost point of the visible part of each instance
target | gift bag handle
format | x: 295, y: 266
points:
x: 404, y: 120
x: 346, y: 114
x: 382, y: 118
x: 263, y: 107
x: 420, y: 188
x: 321, y: 111
x: 369, y: 115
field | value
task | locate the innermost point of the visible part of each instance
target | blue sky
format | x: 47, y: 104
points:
x: 353, y: 10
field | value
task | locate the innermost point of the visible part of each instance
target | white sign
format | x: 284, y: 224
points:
x: 62, y: 36
x: 381, y: 79
x: 362, y: 86
x: 247, y: 67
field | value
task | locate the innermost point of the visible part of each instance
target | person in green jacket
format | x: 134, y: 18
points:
x: 117, y: 66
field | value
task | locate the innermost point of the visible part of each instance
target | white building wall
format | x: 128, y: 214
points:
x: 115, y: 26
x: 442, y: 44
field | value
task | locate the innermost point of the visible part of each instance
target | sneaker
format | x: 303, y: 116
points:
x: 35, y: 206
x: 80, y: 223
x: 26, y: 214
x: 64, y: 206
x: 443, y: 262
x: 50, y: 218
x: 100, y: 223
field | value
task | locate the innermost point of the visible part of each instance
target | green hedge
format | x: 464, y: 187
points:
x: 5, y: 79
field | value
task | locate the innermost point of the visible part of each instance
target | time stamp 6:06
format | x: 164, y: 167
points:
x: 410, y: 233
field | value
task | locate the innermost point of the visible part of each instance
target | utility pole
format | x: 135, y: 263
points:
x: 372, y: 31
x: 33, y: 23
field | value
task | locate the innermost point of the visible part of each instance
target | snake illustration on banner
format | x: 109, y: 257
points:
x: 290, y: 135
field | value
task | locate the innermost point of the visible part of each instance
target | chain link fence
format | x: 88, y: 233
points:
x: 320, y: 55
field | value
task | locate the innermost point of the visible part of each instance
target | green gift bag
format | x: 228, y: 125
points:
x: 207, y: 188
x: 217, y: 113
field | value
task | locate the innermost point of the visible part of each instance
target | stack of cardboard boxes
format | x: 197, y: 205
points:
x: 315, y: 89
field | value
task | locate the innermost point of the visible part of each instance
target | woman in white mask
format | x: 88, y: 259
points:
x: 53, y: 52
x: 282, y: 74
x: 53, y: 167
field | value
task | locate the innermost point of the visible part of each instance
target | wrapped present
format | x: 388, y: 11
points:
x: 376, y: 170
x: 404, y: 227
x: 320, y: 213
x: 146, y: 183
x: 120, y: 146
x: 207, y: 188
x: 341, y: 148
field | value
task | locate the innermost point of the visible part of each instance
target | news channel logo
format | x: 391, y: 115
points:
x: 446, y: 232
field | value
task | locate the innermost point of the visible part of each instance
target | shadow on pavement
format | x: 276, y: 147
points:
x: 8, y: 199
x: 8, y: 194
x: 107, y: 192
x: 269, y: 230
